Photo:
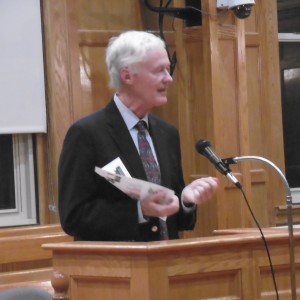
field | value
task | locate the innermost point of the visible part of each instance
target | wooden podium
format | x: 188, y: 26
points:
x: 227, y: 266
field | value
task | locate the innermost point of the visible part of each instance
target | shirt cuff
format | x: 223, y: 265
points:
x: 187, y: 207
x: 141, y: 217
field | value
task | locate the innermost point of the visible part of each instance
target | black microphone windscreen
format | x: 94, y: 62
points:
x: 201, y: 145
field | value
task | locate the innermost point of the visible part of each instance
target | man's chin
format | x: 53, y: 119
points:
x: 161, y: 101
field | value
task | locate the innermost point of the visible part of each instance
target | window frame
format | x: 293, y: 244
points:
x: 24, y: 212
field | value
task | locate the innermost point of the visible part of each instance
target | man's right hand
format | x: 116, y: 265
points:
x: 157, y: 205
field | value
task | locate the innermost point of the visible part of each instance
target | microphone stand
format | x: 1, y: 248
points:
x: 234, y: 160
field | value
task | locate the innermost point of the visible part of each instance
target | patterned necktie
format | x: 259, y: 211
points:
x: 150, y: 166
x: 147, y: 157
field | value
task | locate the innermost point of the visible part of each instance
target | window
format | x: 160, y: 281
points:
x: 289, y: 46
x: 17, y: 180
x: 23, y: 109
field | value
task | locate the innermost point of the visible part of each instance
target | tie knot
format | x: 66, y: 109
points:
x: 141, y: 126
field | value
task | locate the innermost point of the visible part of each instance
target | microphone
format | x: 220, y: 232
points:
x: 203, y: 147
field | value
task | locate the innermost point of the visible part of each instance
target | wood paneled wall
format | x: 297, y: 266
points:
x: 226, y: 89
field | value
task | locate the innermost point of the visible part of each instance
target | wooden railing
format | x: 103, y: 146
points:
x: 23, y: 261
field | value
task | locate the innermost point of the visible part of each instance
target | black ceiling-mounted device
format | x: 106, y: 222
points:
x: 191, y: 13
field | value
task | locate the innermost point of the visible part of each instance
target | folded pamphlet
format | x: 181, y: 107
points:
x: 116, y: 173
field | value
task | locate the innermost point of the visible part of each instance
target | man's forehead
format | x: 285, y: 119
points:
x: 159, y: 57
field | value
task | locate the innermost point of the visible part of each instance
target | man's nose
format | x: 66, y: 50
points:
x: 168, y: 77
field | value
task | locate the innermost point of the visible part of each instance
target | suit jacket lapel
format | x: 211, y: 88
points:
x: 122, y: 138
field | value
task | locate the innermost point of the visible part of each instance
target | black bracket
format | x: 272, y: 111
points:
x: 190, y: 14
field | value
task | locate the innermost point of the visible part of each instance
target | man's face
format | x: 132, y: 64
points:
x: 152, y: 79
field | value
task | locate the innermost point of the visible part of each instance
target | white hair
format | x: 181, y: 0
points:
x: 128, y: 49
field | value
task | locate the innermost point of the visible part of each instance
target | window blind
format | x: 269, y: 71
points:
x: 22, y: 82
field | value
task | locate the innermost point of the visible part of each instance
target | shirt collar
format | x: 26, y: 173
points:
x: 128, y: 116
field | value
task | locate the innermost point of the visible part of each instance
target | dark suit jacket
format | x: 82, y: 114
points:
x: 91, y: 208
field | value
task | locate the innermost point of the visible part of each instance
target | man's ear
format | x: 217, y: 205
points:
x: 126, y: 75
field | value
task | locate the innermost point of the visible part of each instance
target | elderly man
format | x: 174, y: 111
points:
x: 93, y: 209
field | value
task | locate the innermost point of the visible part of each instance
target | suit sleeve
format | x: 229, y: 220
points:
x: 186, y: 219
x: 167, y: 143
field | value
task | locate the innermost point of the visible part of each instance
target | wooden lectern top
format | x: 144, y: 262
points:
x: 230, y: 238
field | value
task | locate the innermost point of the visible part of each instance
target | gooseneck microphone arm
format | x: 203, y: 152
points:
x: 289, y: 203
